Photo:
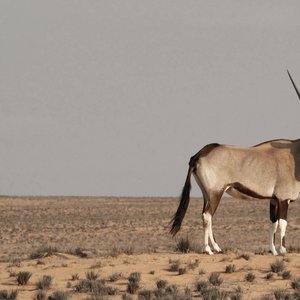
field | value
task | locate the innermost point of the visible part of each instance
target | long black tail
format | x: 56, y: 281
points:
x: 184, y: 203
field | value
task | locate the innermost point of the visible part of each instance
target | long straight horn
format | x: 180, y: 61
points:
x: 294, y: 84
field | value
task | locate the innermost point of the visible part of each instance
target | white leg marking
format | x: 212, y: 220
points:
x: 272, y: 233
x: 211, y: 236
x: 282, y: 226
x: 206, y: 225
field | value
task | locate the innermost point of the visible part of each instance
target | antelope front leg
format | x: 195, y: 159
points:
x: 282, y: 226
x: 272, y: 237
x: 207, y: 225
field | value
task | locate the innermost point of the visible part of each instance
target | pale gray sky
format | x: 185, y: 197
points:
x: 113, y: 97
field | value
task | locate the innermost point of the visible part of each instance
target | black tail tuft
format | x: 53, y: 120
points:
x: 183, y: 205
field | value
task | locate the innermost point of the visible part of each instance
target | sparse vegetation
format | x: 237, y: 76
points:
x: 23, y: 277
x: 245, y: 256
x: 183, y: 245
x: 5, y: 295
x: 286, y: 274
x: 75, y: 277
x: 133, y: 282
x: 269, y: 276
x: 79, y: 252
x: 115, y: 276
x: 237, y: 294
x: 192, y: 265
x: 161, y: 284
x: 43, y: 252
x: 215, y: 279
x: 44, y: 283
x: 91, y: 275
x: 59, y: 295
x: 174, y: 265
x: 181, y: 271
x: 230, y: 268
x: 250, y: 277
x: 277, y: 266
x: 201, y: 287
x: 281, y: 294
x: 295, y: 284
x: 40, y: 295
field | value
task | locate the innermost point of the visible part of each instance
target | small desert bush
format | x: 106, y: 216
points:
x: 245, y: 256
x: 59, y: 295
x: 214, y: 293
x: 5, y: 295
x: 115, y: 276
x: 116, y: 251
x: 266, y: 297
x: 294, y: 249
x: 192, y: 265
x: 43, y: 252
x: 174, y: 265
x: 277, y: 266
x: 237, y: 294
x: 249, y: 277
x: 214, y: 279
x: 181, y: 271
x: 133, y: 282
x: 145, y: 295
x: 75, y: 277
x: 40, y: 295
x: 183, y: 245
x: 126, y: 297
x: 90, y: 286
x: 201, y: 287
x: 161, y: 284
x: 79, y: 252
x: 230, y: 268
x: 286, y: 274
x: 23, y: 277
x: 269, y: 276
x: 295, y: 284
x: 44, y: 283
x: 281, y: 294
x: 91, y: 275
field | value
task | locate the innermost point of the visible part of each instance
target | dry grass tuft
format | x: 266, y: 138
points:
x: 23, y: 277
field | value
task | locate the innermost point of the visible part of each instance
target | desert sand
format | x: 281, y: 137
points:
x: 68, y: 238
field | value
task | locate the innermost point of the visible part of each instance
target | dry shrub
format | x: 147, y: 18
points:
x: 44, y: 283
x: 249, y: 277
x: 277, y: 266
x: 23, y: 277
x: 59, y: 295
x: 174, y: 265
x: 230, y: 268
x: 214, y: 279
x: 133, y: 282
x: 183, y: 245
x: 43, y: 252
x: 5, y: 295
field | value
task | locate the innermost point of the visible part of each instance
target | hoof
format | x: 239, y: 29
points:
x: 273, y: 251
x: 217, y: 248
x: 282, y: 250
x: 208, y: 250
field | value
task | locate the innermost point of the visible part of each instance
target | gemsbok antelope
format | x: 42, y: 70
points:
x: 270, y: 170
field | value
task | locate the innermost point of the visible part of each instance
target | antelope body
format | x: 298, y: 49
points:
x: 270, y: 170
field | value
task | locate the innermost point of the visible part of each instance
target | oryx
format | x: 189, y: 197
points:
x: 270, y: 170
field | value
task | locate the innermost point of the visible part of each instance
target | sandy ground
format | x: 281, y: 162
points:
x: 123, y: 235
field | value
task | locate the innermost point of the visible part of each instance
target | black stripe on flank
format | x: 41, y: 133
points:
x: 244, y: 190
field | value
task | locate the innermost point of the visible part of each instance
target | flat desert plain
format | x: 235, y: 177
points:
x: 88, y: 248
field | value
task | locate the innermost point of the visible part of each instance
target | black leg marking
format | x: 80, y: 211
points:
x: 273, y: 212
